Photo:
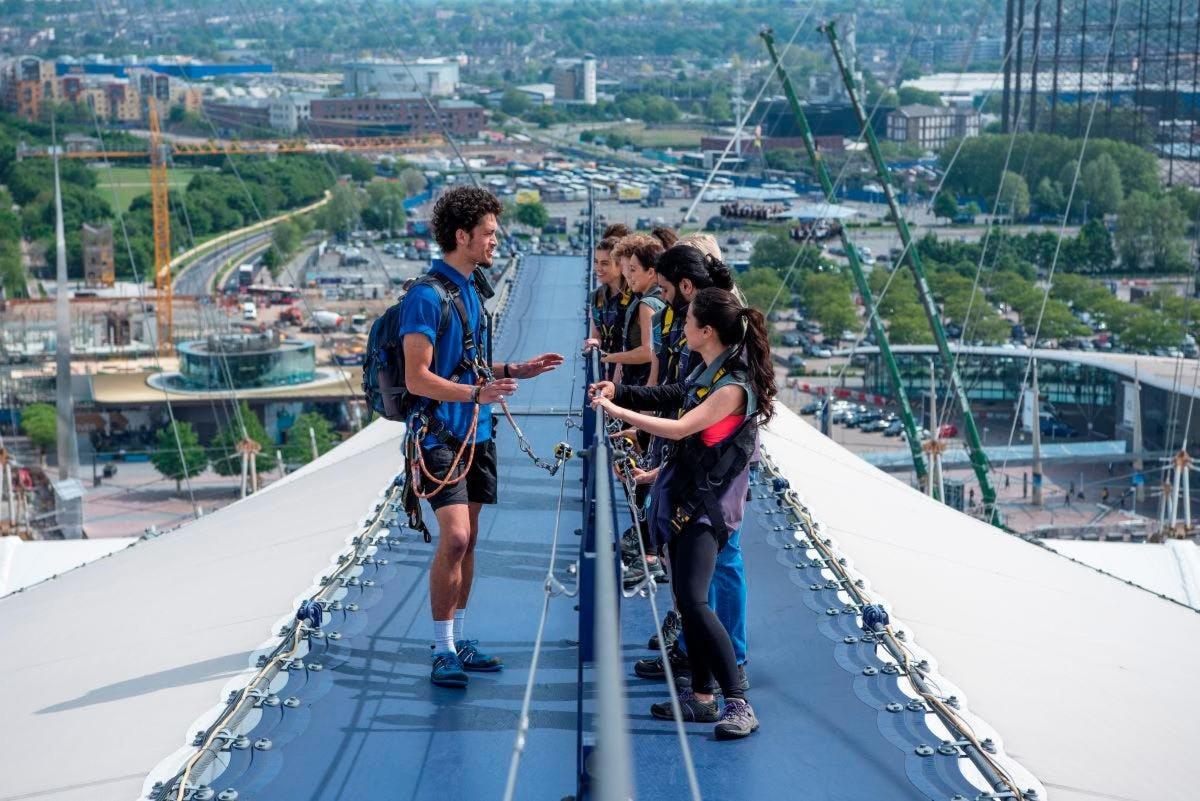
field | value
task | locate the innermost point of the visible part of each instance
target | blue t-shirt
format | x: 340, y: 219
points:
x: 421, y: 313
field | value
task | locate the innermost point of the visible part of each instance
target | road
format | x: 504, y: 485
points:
x: 196, y: 278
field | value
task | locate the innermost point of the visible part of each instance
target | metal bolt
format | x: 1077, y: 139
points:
x: 832, y: 611
x: 947, y: 749
x: 204, y: 793
x: 291, y: 702
x: 915, y: 706
x: 229, y: 794
x: 850, y: 639
x: 351, y: 607
x: 816, y: 587
x: 333, y: 635
x: 241, y: 742
x: 262, y: 744
x: 315, y: 666
x: 891, y: 668
x: 924, y: 750
x: 895, y: 707
x: 869, y: 671
x: 271, y: 700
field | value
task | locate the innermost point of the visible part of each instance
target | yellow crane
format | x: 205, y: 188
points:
x: 160, y: 152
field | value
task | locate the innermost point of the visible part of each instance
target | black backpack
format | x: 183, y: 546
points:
x: 383, y: 367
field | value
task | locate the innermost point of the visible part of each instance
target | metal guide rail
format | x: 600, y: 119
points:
x: 877, y: 630
x: 225, y: 731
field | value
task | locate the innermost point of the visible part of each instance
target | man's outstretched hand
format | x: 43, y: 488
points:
x: 531, y: 368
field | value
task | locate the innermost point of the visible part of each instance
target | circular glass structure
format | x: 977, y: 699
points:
x: 246, y: 361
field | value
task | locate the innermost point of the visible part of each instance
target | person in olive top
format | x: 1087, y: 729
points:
x: 609, y: 304
x: 636, y: 255
x: 464, y: 222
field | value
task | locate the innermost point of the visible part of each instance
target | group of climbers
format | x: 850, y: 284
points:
x: 694, y: 356
x: 687, y: 368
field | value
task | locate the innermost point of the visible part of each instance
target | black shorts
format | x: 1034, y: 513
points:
x: 480, y: 484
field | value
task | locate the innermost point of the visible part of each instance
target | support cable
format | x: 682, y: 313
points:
x: 652, y: 590
x: 552, y: 588
x: 737, y: 134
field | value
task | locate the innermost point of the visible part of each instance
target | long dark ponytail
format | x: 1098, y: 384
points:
x: 684, y: 261
x: 735, y: 323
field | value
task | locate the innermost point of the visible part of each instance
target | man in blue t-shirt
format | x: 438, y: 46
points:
x: 464, y: 223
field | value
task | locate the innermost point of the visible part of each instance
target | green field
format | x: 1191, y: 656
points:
x: 674, y: 137
x: 130, y: 182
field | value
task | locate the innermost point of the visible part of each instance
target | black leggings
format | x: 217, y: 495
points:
x: 693, y: 555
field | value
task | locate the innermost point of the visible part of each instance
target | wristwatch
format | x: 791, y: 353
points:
x: 507, y: 372
x: 475, y: 393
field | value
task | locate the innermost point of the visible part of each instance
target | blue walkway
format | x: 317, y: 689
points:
x: 362, y: 721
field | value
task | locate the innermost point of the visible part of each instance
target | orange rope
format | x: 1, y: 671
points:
x: 442, y: 483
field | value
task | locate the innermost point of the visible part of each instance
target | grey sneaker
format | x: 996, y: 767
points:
x: 670, y: 628
x: 692, y: 709
x: 630, y: 549
x: 743, y: 682
x: 737, y: 720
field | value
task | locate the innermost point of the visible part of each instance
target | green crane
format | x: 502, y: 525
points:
x: 860, y: 277
x: 979, y: 460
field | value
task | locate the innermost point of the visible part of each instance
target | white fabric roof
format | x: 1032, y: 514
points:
x: 1171, y: 568
x: 104, y: 670
x: 24, y: 563
x: 1083, y: 676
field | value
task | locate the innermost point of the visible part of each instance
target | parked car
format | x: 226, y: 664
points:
x: 947, y: 430
x: 795, y: 360
x: 820, y: 352
x: 1057, y: 428
x: 875, y: 425
x: 791, y: 340
x: 894, y: 429
x: 812, y: 407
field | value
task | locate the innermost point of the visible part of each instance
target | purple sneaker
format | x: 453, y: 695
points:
x: 737, y: 720
x: 691, y: 708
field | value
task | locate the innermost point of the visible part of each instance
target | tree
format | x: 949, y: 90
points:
x: 908, y: 95
x: 384, y: 206
x: 514, y: 102
x: 1150, y: 232
x: 533, y: 214
x: 718, y: 108
x: 298, y: 449
x: 413, y: 181
x: 39, y: 421
x: 762, y: 287
x: 227, y: 461
x: 340, y: 215
x: 944, y: 205
x: 827, y: 298
x: 1049, y: 197
x: 1014, y: 196
x: 909, y: 326
x: 1147, y: 330
x: 166, y: 455
x: 776, y: 250
x: 1100, y: 185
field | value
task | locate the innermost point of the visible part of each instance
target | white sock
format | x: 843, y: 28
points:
x: 459, y: 614
x: 443, y: 636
